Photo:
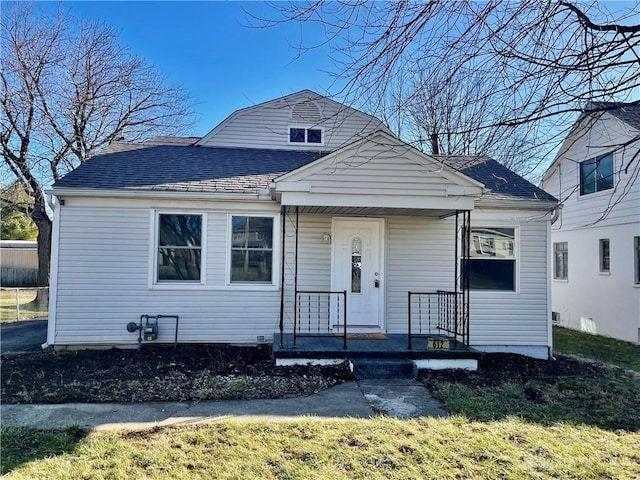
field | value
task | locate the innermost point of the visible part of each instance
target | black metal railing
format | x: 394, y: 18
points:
x: 320, y: 314
x: 437, y: 313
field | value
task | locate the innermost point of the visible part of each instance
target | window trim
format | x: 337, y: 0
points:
x: 516, y: 259
x: 601, y: 267
x: 564, y: 278
x: 306, y: 134
x: 154, y: 236
x: 636, y: 263
x: 596, y: 159
x: 275, y: 253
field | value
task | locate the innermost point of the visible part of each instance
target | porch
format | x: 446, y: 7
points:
x: 433, y: 352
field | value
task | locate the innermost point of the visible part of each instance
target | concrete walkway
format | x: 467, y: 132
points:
x: 398, y: 398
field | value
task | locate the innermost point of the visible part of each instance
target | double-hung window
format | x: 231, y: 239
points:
x: 251, y: 250
x: 596, y: 174
x: 179, y: 248
x: 560, y: 261
x: 492, y: 259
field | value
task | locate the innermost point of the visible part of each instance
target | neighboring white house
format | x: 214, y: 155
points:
x: 246, y: 231
x: 596, y: 238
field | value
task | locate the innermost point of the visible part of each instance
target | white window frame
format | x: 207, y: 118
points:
x: 564, y: 278
x: 601, y: 268
x: 636, y: 261
x: 153, y: 256
x: 596, y: 159
x: 306, y: 134
x: 275, y: 256
x: 516, y: 255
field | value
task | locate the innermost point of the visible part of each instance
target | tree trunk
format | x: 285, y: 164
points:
x: 44, y: 224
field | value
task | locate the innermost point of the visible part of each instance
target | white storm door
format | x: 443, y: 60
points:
x: 357, y: 268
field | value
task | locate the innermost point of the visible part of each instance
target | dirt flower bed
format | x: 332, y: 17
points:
x: 157, y: 373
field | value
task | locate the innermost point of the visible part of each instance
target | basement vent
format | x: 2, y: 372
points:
x: 306, y: 112
x: 555, y: 317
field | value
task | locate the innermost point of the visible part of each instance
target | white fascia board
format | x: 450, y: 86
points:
x: 457, y: 190
x: 376, y: 201
x: 301, y: 186
x: 108, y: 193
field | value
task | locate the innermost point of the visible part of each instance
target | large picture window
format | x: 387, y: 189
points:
x: 179, y: 256
x: 561, y: 261
x: 492, y: 259
x: 596, y: 174
x: 251, y: 249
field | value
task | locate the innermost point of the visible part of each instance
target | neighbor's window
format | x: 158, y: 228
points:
x: 305, y: 135
x: 179, y: 248
x: 492, y: 262
x: 605, y: 258
x: 636, y: 248
x: 596, y: 174
x: 251, y: 249
x: 560, y: 261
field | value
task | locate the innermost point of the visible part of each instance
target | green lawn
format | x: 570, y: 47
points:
x: 28, y: 307
x: 569, y: 419
x: 595, y: 347
x: 381, y: 448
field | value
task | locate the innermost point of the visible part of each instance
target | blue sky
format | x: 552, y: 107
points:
x: 208, y: 48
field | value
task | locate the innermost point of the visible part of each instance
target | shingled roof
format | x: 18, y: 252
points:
x: 187, y: 168
x: 500, y: 182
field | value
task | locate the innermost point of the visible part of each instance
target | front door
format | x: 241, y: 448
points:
x: 357, y: 267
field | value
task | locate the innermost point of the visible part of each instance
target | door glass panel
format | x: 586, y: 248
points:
x: 356, y: 265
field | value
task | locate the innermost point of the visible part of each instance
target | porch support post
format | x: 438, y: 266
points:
x: 283, y: 219
x: 466, y: 278
x: 456, y: 319
x: 295, y: 279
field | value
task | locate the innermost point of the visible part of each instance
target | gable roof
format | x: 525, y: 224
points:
x: 185, y: 168
x: 500, y: 182
x: 286, y: 101
x: 628, y: 113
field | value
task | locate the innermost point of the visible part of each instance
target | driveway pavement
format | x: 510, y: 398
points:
x: 23, y: 336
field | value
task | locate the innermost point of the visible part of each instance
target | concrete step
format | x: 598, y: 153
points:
x: 364, y: 368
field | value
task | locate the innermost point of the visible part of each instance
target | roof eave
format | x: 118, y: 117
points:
x: 143, y: 193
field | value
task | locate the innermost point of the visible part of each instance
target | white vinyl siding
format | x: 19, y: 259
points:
x: 267, y: 126
x: 103, y: 279
x: 104, y: 268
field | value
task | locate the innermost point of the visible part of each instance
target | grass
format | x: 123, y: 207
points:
x: 380, y: 448
x: 595, y: 347
x: 26, y: 299
x: 545, y: 420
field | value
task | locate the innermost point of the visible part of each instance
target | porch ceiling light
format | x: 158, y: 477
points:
x: 326, y: 238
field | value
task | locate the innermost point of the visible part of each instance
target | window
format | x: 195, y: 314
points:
x: 179, y: 254
x: 636, y: 249
x: 356, y: 266
x: 605, y: 259
x: 596, y: 174
x: 560, y: 261
x: 492, y: 262
x: 305, y: 135
x: 251, y: 249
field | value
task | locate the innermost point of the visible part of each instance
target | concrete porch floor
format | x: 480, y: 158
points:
x: 330, y: 350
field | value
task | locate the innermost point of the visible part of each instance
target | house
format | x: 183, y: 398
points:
x: 596, y: 238
x: 305, y: 223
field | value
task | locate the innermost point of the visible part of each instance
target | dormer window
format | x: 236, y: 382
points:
x: 305, y: 135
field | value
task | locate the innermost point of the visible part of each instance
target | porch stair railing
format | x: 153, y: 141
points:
x: 319, y: 313
x: 437, y: 313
